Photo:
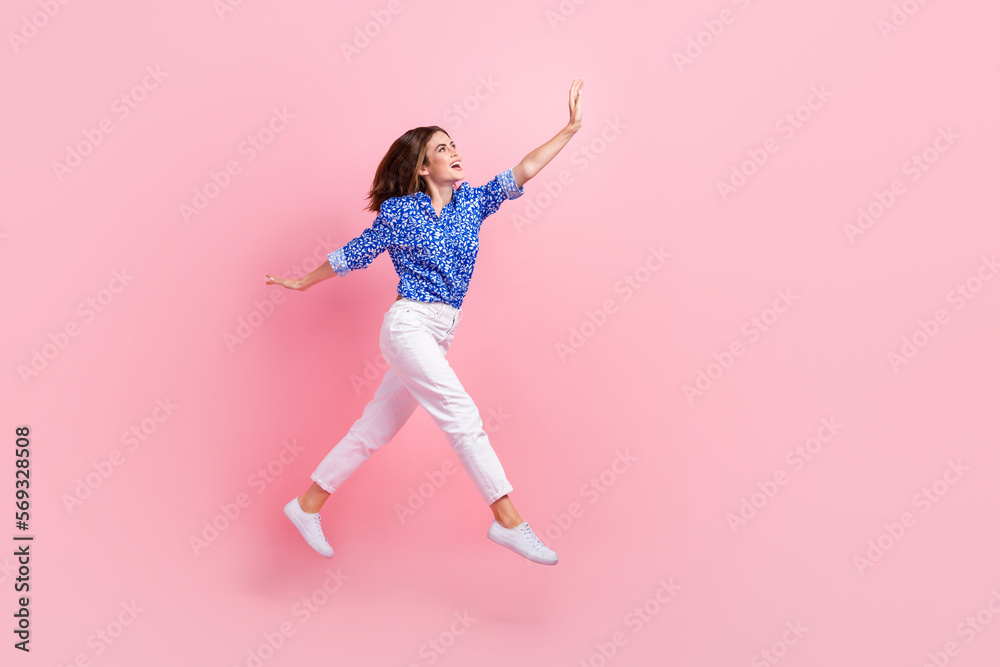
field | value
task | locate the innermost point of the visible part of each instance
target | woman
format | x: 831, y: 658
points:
x: 429, y: 224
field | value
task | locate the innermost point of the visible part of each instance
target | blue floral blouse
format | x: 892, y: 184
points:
x: 433, y: 255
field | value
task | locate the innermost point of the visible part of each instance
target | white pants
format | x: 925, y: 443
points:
x: 414, y: 340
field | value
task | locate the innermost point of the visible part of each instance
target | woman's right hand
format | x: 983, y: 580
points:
x: 284, y: 282
x: 576, y: 105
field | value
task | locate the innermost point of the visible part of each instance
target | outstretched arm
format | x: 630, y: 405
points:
x: 324, y: 271
x: 357, y: 254
x: 534, y: 161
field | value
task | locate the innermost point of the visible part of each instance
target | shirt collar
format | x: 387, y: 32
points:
x: 423, y: 196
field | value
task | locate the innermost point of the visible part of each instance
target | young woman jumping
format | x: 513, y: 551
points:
x: 429, y: 224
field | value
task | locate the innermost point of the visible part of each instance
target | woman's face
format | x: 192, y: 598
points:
x: 443, y: 163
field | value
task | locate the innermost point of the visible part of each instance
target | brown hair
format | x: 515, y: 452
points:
x: 397, y: 172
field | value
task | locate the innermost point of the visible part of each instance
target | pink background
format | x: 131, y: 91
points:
x: 660, y: 135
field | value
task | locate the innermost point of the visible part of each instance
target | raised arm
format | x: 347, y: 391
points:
x: 534, y: 161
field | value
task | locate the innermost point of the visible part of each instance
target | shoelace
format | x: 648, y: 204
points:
x: 319, y: 528
x: 530, y: 534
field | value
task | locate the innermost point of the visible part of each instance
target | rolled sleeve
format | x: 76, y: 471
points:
x: 364, y: 248
x: 503, y: 186
x: 339, y: 262
x: 509, y: 184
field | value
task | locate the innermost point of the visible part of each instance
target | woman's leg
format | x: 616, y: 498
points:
x: 505, y: 514
x: 414, y: 341
x: 390, y: 408
x: 382, y: 418
x: 312, y: 500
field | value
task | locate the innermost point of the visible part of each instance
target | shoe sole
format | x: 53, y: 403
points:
x: 502, y: 541
x: 295, y: 522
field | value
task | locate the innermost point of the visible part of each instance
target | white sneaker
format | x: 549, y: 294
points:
x: 310, y: 527
x: 522, y: 540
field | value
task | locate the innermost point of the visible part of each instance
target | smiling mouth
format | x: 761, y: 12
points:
x: 457, y: 166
